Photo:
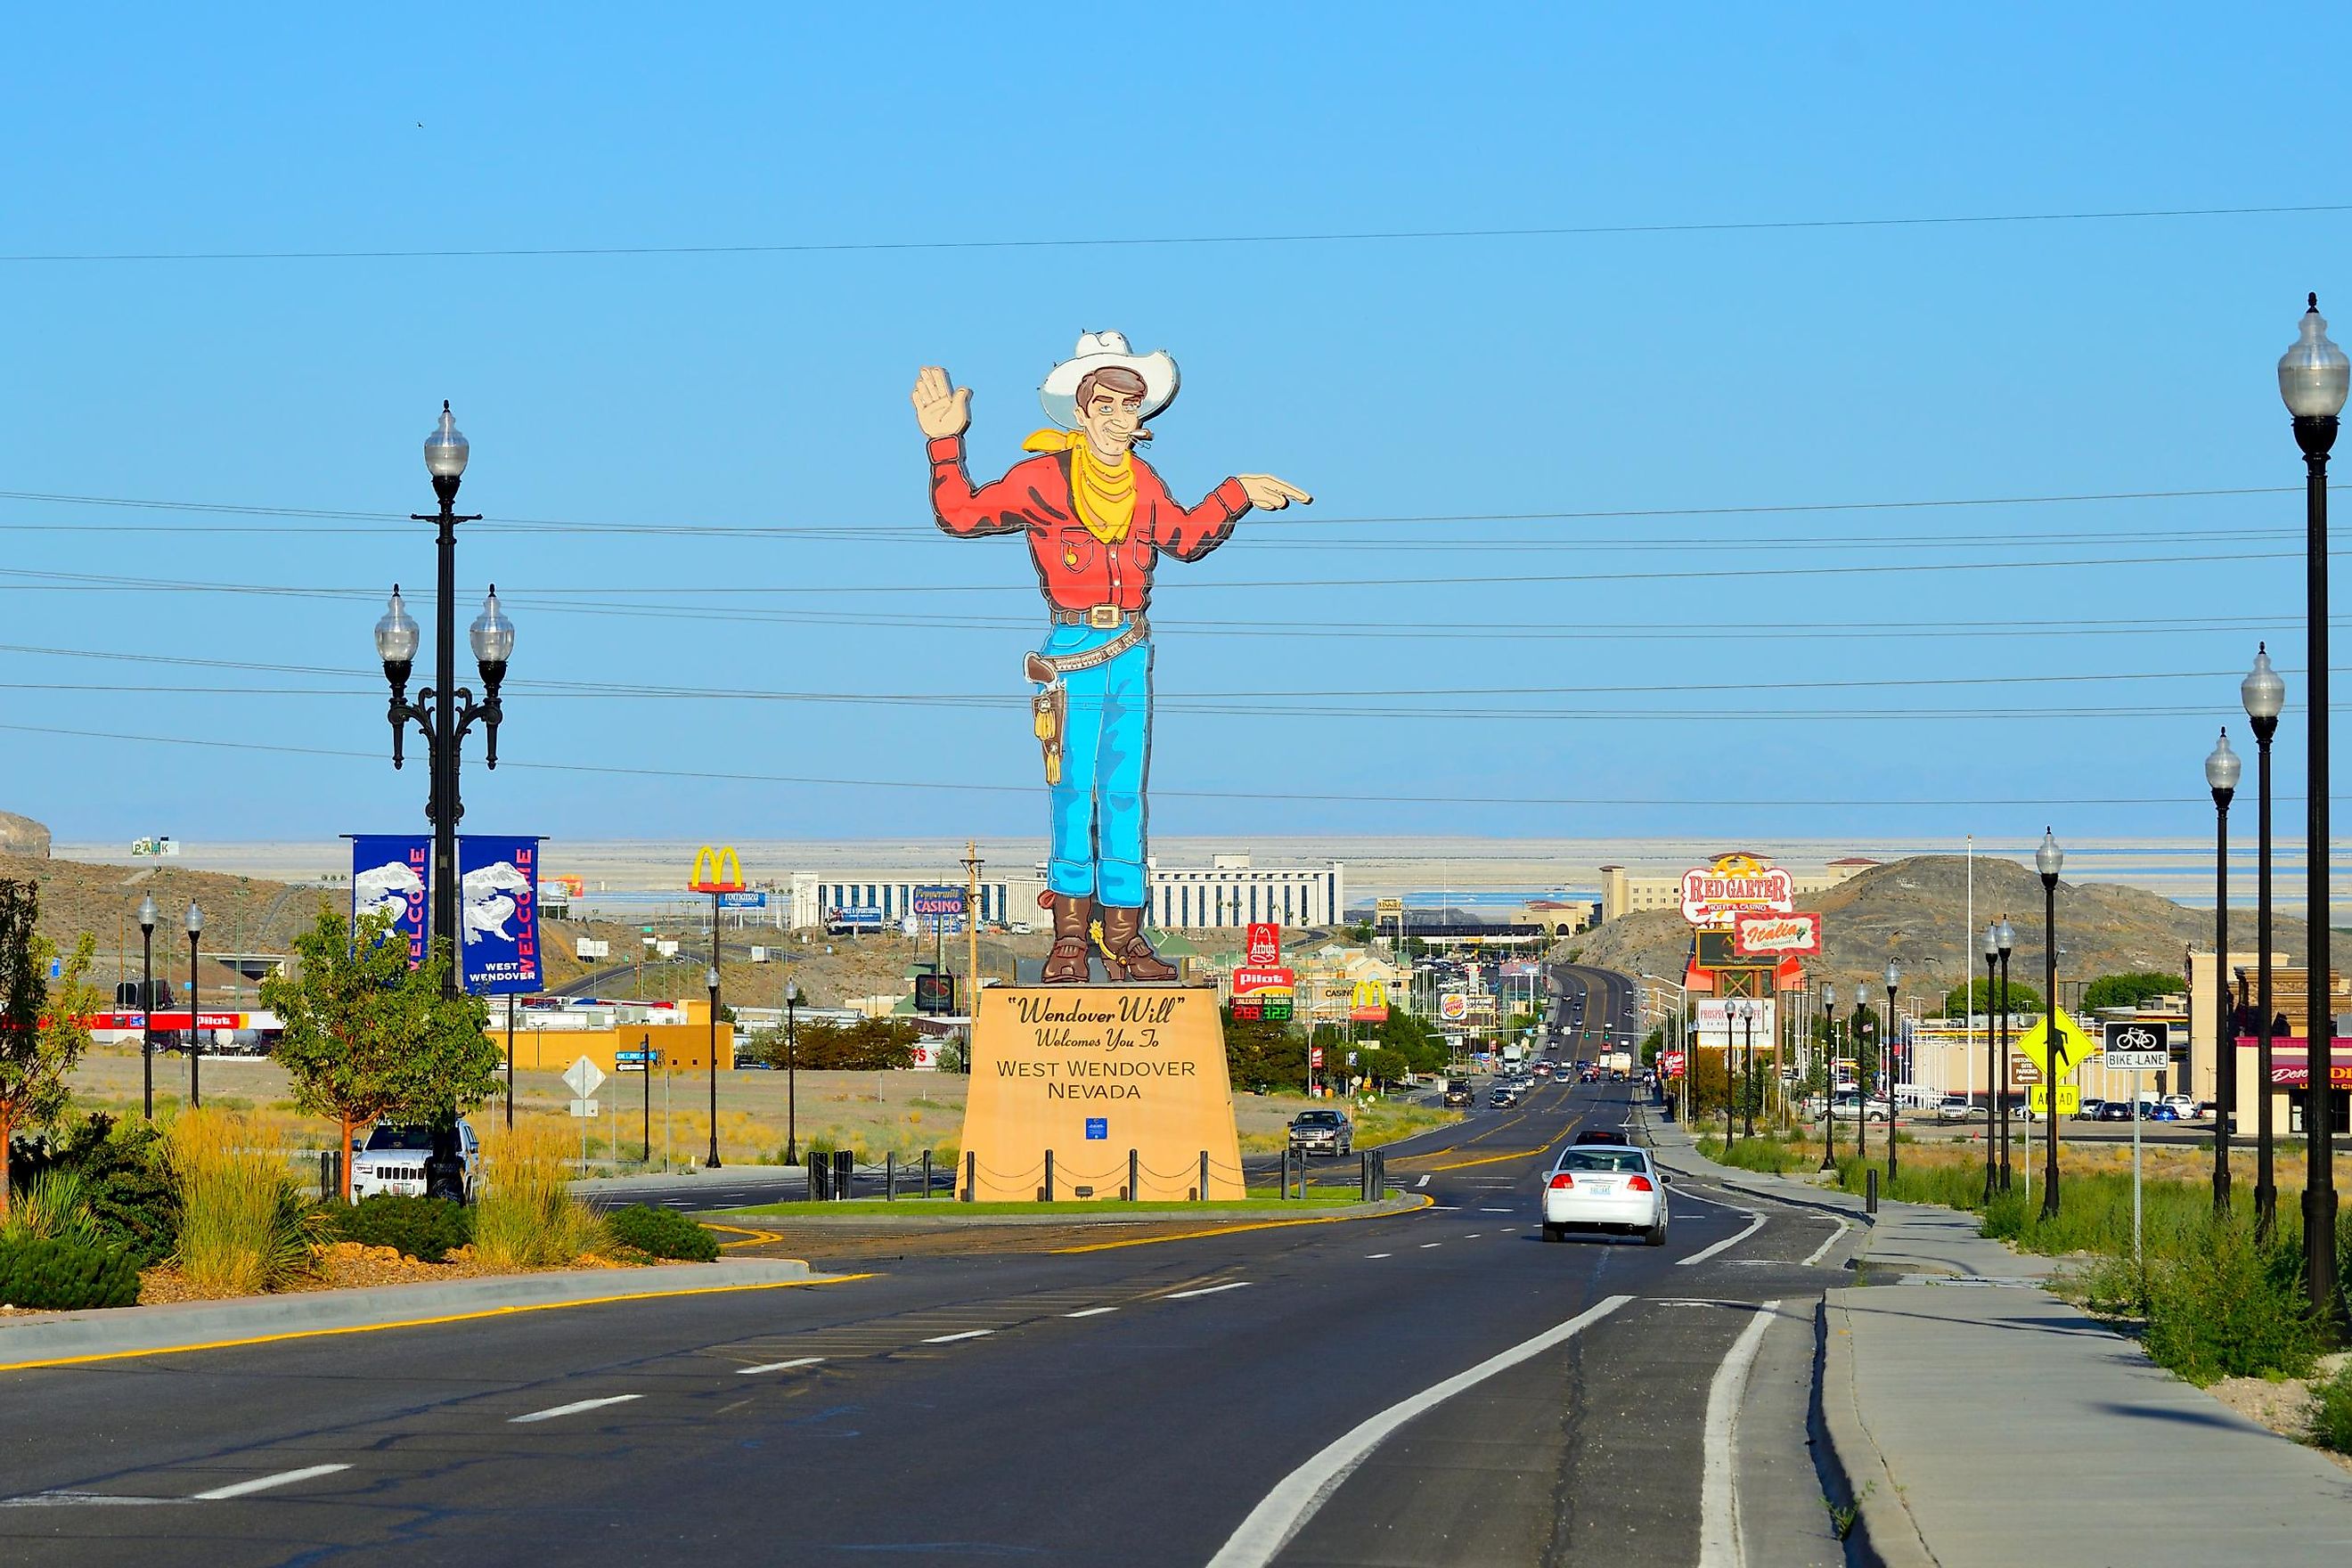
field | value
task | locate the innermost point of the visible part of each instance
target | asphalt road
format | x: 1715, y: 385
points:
x: 1318, y: 1392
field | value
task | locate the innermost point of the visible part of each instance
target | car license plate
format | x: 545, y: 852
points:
x: 1604, y: 1187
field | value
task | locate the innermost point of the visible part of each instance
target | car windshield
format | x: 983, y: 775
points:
x: 416, y: 1138
x: 1604, y: 1160
x: 1317, y: 1119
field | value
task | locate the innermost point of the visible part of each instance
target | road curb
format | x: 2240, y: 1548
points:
x: 124, y: 1333
x: 940, y: 1211
x: 1883, y: 1535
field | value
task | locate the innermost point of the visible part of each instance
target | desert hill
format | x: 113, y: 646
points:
x: 1916, y: 913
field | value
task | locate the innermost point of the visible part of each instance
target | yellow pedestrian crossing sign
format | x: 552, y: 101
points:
x: 2073, y: 1048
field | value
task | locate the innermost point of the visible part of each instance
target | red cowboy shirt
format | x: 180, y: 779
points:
x: 1078, y: 571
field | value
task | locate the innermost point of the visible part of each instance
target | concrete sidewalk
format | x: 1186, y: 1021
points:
x: 1976, y: 1419
x: 1980, y: 1419
x: 46, y: 1337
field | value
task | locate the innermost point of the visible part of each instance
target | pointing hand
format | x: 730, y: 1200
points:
x: 1269, y: 494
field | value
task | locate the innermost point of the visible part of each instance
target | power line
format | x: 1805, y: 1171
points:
x: 566, y: 597
x: 495, y: 522
x: 1334, y: 236
x: 967, y: 786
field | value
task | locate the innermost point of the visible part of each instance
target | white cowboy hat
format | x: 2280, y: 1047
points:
x: 1096, y: 350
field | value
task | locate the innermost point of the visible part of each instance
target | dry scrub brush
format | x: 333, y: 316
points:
x: 525, y: 1215
x: 244, y: 1227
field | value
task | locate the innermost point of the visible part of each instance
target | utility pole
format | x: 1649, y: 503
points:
x: 971, y: 864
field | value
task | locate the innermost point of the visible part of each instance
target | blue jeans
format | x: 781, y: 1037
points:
x: 1097, y: 808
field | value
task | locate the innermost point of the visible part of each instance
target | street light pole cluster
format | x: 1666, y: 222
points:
x: 442, y: 713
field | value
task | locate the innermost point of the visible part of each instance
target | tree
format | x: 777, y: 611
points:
x: 365, y: 1036
x: 2022, y: 999
x: 44, y: 1025
x: 2128, y: 990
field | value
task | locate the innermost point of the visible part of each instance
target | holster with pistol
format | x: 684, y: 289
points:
x: 1049, y: 710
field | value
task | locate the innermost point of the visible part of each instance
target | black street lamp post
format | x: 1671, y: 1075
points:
x: 2006, y: 934
x: 1886, y: 1054
x: 1992, y: 1052
x: 2222, y: 768
x: 2313, y: 378
x: 443, y: 713
x: 711, y: 979
x: 1828, y: 1077
x: 1748, y: 1070
x: 2049, y: 860
x: 792, y: 1074
x: 195, y: 1016
x: 2264, y: 692
x: 147, y: 1009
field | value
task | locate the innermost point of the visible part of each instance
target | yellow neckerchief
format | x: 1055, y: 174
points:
x: 1104, y: 493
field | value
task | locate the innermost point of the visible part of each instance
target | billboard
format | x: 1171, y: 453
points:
x: 716, y: 869
x: 392, y: 873
x: 1723, y: 1022
x: 853, y: 917
x: 1761, y: 935
x: 1265, y: 944
x: 1715, y: 896
x: 498, y: 883
x: 1369, y: 1004
x: 1453, y: 1007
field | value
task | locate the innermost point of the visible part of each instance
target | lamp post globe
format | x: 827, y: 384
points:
x: 2263, y: 690
x: 2314, y: 375
x: 493, y: 636
x: 445, y: 449
x: 396, y: 636
x: 2222, y: 770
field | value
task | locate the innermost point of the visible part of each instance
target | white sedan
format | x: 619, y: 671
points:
x: 1606, y: 1187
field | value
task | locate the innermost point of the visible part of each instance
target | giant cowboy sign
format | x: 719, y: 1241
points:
x: 1097, y: 518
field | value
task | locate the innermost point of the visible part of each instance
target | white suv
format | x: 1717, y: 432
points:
x: 392, y: 1158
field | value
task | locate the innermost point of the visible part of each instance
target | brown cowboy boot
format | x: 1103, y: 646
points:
x: 1066, y: 963
x: 1123, y: 939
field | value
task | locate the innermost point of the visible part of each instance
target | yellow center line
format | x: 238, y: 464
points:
x: 428, y: 1323
x: 1490, y: 1158
x: 1426, y: 1201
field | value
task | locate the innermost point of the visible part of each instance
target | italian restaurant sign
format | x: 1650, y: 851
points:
x: 1762, y: 935
x: 1715, y: 896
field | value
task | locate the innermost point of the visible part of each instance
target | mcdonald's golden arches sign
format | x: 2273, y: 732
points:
x: 717, y: 871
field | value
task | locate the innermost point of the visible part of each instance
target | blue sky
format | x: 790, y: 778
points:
x: 1474, y: 380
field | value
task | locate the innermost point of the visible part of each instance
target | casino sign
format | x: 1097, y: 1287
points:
x: 1715, y: 897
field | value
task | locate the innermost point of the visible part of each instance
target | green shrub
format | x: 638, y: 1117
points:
x: 2331, y: 1418
x: 427, y: 1229
x: 2231, y: 1308
x: 660, y: 1232
x: 50, y: 1274
x: 125, y: 1189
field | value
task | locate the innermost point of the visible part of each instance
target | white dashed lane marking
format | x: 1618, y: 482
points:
x: 1090, y: 1313
x: 950, y: 1339
x: 574, y: 1408
x: 1205, y: 1290
x: 779, y: 1365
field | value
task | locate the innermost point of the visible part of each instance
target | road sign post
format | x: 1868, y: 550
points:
x: 2136, y: 1049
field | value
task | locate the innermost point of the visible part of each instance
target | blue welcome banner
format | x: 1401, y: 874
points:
x: 393, y: 872
x: 497, y: 912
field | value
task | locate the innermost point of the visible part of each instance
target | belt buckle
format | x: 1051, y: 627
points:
x: 1105, y: 617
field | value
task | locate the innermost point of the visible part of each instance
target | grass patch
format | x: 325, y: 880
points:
x: 1772, y: 1154
x: 244, y: 1226
x: 946, y: 1208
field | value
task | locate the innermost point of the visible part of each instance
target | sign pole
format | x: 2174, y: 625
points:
x: 2137, y: 1264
